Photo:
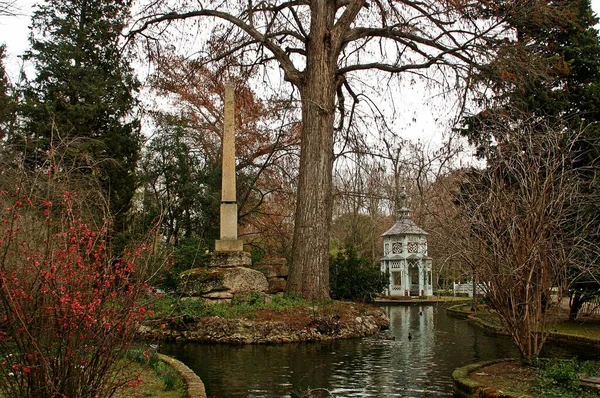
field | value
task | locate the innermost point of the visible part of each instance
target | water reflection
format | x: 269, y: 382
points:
x: 391, y: 365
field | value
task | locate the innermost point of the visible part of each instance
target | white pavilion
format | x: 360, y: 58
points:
x: 405, y: 256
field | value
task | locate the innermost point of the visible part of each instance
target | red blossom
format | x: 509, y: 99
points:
x: 65, y: 298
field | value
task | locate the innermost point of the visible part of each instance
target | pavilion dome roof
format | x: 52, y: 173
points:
x: 404, y: 226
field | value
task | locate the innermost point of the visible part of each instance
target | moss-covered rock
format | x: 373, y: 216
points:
x: 201, y: 281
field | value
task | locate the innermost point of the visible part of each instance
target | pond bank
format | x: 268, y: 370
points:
x: 486, y: 384
x: 578, y: 332
x: 389, y: 364
x: 509, y: 377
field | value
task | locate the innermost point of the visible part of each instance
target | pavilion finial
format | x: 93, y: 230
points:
x: 403, y: 212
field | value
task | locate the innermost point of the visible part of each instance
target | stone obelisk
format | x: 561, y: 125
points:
x: 228, y: 275
x: 229, y: 241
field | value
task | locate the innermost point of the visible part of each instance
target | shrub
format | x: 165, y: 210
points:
x: 563, y: 373
x: 354, y: 278
x: 68, y: 311
x: 560, y: 378
x: 189, y: 253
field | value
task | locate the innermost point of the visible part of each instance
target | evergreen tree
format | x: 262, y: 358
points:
x: 184, y: 184
x: 83, y: 94
x: 549, y: 74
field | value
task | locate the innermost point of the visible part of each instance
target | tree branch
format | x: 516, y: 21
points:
x: 291, y: 73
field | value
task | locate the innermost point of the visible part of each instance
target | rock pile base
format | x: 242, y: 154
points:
x: 346, y: 320
x: 227, y: 277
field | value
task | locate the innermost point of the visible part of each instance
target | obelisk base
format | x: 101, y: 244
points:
x: 229, y: 245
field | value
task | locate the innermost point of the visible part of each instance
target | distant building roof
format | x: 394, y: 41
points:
x: 405, y: 226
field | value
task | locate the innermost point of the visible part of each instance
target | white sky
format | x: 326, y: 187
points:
x: 420, y: 120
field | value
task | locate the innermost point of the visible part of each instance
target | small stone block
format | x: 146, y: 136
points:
x: 218, y: 295
x: 228, y: 259
x: 226, y: 245
x: 273, y: 269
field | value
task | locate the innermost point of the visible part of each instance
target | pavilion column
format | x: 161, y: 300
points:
x: 421, y: 278
x: 429, y: 281
x: 405, y: 281
x: 390, y: 278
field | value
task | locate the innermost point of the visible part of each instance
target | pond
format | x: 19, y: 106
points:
x: 386, y: 365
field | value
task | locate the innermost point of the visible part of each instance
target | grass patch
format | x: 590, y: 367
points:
x: 582, y: 327
x: 165, y: 306
x: 490, y: 317
x: 147, y: 385
x: 159, y: 375
x: 484, y: 314
x: 578, y: 328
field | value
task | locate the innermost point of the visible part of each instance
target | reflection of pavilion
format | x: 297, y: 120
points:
x: 405, y: 256
x: 419, y: 323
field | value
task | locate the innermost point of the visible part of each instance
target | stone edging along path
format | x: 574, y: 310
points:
x: 195, y: 387
x: 466, y: 387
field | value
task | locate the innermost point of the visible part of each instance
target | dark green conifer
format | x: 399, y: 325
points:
x: 82, y: 95
x: 548, y: 73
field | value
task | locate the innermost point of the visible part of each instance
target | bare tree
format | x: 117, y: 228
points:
x: 524, y: 239
x: 323, y: 48
x: 8, y: 8
x: 358, y: 196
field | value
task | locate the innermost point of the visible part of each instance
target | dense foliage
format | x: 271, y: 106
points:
x: 182, y: 187
x: 83, y: 94
x: 188, y: 253
x: 354, y: 278
x: 548, y: 75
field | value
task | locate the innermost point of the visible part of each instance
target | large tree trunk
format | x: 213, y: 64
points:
x: 309, y: 273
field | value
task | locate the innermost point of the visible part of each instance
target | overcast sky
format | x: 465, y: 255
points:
x: 14, y: 30
x: 415, y: 123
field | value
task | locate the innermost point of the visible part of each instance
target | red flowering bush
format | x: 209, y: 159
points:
x: 68, y: 312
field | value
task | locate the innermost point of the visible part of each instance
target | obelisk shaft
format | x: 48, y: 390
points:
x: 228, y: 176
x: 228, y: 240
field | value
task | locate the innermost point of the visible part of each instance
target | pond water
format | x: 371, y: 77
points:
x: 386, y: 365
